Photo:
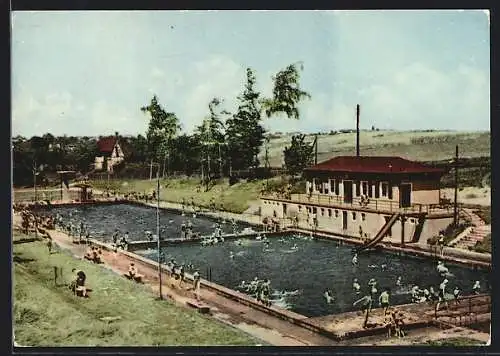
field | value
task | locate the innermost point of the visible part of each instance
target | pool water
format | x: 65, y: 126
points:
x: 102, y: 220
x: 299, y: 276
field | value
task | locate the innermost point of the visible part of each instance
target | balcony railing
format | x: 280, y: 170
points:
x: 357, y: 203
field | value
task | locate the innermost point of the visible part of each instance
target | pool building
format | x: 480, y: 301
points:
x: 366, y: 197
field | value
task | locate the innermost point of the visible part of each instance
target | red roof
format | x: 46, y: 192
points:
x: 106, y: 144
x: 373, y: 164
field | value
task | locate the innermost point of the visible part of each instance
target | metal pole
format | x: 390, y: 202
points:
x: 158, y: 227
x: 357, y: 130
x: 455, y: 207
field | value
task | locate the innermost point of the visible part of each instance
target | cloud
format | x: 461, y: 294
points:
x: 217, y: 76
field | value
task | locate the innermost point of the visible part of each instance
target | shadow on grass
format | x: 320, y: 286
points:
x: 19, y: 259
x: 27, y: 240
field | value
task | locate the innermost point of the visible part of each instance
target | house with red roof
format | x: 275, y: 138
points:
x: 110, y: 153
x: 371, y: 198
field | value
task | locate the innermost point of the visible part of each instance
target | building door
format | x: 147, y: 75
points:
x: 347, y: 191
x: 284, y: 210
x: 344, y: 220
x: 404, y: 195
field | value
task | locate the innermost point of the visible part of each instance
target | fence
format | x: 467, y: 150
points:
x: 357, y: 203
x: 44, y: 194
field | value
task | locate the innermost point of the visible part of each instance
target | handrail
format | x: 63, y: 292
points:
x: 386, y: 205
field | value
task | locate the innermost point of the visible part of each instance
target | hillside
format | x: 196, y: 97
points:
x: 415, y: 145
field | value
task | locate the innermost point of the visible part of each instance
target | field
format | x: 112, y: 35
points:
x: 414, y: 145
x: 49, y: 315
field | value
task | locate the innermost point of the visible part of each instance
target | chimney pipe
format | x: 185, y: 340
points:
x: 357, y: 130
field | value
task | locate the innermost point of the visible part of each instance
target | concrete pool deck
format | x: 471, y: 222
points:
x: 273, y: 325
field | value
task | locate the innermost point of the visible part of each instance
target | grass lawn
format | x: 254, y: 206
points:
x: 484, y: 245
x: 458, y: 341
x: 236, y: 198
x: 46, y: 315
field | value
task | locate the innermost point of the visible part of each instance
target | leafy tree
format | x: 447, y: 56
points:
x: 163, y: 127
x: 286, y: 93
x: 244, y: 133
x: 211, y: 137
x: 185, y: 154
x: 298, y: 155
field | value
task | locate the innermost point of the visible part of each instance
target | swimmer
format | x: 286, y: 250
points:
x: 328, y: 296
x: 456, y: 294
x: 398, y: 281
x: 231, y: 254
x: 477, y: 287
x: 355, y: 286
x: 355, y: 259
x: 383, y: 266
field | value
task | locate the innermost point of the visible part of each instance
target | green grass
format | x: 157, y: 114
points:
x: 236, y: 198
x: 46, y: 315
x: 484, y: 245
x: 485, y: 214
x: 458, y: 341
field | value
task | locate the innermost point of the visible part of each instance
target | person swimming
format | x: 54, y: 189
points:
x: 476, y: 287
x: 398, y: 281
x: 355, y: 286
x: 441, y: 268
x: 231, y: 254
x: 328, y: 296
x: 355, y: 259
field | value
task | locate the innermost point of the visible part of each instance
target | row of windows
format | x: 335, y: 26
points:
x: 362, y: 188
x: 331, y: 212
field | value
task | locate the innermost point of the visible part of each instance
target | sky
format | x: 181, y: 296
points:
x: 89, y: 72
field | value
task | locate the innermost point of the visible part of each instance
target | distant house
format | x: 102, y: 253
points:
x: 110, y: 153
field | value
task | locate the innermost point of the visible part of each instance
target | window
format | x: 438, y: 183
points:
x: 364, y: 186
x: 353, y: 215
x: 370, y: 189
x: 412, y: 221
x: 385, y: 189
x: 315, y: 210
x: 363, y: 216
x: 330, y: 213
x: 358, y: 192
x: 300, y: 208
x: 337, y: 187
x: 322, y: 212
x: 336, y: 213
x: 377, y: 189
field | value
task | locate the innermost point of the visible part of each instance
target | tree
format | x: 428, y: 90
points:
x: 298, y: 155
x: 286, y: 93
x: 210, y: 135
x: 163, y: 127
x: 244, y: 133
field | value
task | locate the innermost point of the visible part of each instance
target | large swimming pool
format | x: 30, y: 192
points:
x: 300, y: 269
x: 102, y: 220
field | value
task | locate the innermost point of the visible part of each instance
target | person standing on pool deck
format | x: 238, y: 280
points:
x: 441, y: 244
x: 196, y: 284
x: 384, y: 299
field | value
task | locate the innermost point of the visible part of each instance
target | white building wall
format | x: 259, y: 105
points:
x: 330, y: 220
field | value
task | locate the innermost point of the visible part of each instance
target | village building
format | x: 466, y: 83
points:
x: 110, y: 154
x: 371, y: 198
